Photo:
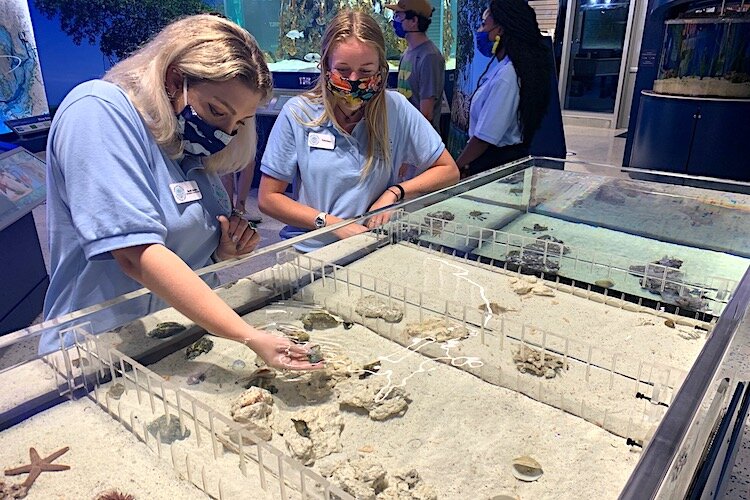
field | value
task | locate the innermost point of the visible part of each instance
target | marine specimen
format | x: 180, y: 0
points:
x: 165, y: 330
x: 238, y: 364
x: 532, y: 261
x: 669, y: 323
x: 371, y: 306
x: 294, y: 333
x: 370, y: 369
x: 440, y: 214
x: 114, y: 495
x: 529, y: 360
x: 323, y: 320
x: 381, y: 401
x: 38, y: 465
x: 526, y: 468
x: 196, y: 378
x: 536, y: 228
x: 550, y: 244
x: 663, y: 277
x: 494, y: 308
x: 312, y: 433
x: 605, y: 283
x: 314, y: 355
x: 478, y: 215
x: 116, y: 390
x: 259, y: 378
x: 202, y: 345
x: 168, y: 428
x: 439, y: 329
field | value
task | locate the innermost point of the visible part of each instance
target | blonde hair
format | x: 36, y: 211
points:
x: 362, y: 27
x: 203, y: 47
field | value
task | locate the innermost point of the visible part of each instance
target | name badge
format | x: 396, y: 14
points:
x: 321, y: 141
x: 184, y: 192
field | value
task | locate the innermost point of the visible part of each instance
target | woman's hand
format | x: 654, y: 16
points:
x: 238, y: 237
x: 386, y: 199
x: 281, y: 353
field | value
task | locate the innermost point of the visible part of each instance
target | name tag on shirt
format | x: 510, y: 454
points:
x: 321, y: 141
x: 184, y: 192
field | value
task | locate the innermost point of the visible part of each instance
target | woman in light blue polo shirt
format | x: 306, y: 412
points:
x: 134, y: 196
x: 512, y: 94
x: 343, y: 142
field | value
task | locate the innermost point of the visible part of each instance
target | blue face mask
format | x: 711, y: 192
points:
x: 398, y: 28
x: 484, y: 44
x: 198, y: 137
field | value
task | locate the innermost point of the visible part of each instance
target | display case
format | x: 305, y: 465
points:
x: 705, y: 57
x: 289, y: 31
x: 510, y: 335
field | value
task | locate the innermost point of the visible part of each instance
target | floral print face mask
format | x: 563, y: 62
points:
x: 354, y: 92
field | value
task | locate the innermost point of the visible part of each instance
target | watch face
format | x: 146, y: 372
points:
x: 320, y: 221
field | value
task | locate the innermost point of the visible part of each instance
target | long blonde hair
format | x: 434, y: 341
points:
x: 203, y: 47
x: 361, y: 26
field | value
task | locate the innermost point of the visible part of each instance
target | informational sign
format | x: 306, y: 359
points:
x: 22, y: 185
x: 22, y: 92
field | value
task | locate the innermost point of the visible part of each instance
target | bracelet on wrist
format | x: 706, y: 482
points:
x: 400, y: 190
x: 394, y: 193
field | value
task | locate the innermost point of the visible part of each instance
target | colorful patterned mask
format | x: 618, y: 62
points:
x: 354, y: 92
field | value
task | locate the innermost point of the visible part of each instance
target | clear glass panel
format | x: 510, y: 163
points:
x: 596, y: 49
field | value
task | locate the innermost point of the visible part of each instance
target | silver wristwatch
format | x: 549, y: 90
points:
x: 320, y: 220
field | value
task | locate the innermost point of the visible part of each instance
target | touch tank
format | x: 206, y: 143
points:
x: 706, y: 56
x: 289, y: 31
x: 456, y: 366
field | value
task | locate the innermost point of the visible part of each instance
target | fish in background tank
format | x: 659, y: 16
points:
x: 705, y: 57
x: 289, y: 31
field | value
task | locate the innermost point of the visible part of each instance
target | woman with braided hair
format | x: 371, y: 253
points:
x: 513, y: 92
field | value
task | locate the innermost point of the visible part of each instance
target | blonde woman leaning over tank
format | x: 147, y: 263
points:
x: 134, y: 195
x: 343, y: 142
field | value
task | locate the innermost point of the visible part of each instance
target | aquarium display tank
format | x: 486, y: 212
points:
x: 289, y: 31
x: 706, y: 57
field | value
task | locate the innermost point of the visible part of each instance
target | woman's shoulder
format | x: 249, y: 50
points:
x: 395, y: 99
x: 96, y: 90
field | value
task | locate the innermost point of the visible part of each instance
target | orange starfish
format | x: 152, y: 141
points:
x: 38, y: 465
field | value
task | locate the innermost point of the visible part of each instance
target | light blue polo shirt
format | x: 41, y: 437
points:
x: 329, y: 180
x: 108, y: 187
x: 493, y: 116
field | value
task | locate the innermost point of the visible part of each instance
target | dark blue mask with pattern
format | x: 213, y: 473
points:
x: 199, y: 138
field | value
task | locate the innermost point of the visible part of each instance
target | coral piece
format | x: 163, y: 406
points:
x: 255, y: 409
x: 536, y: 228
x: 38, y: 465
x: 10, y: 491
x: 371, y: 306
x: 536, y: 362
x: 439, y: 329
x: 543, y: 291
x: 317, y: 385
x: 362, y: 478
x: 165, y: 330
x: 407, y: 485
x: 440, y: 214
x: 168, y: 429
x: 203, y: 345
x: 312, y: 433
x: 259, y: 378
x: 381, y: 401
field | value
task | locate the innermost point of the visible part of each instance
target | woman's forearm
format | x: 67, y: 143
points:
x: 473, y: 150
x: 442, y: 174
x: 164, y: 273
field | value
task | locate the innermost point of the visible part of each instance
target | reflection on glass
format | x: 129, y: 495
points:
x: 598, y: 37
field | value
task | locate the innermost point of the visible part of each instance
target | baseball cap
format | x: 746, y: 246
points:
x: 421, y: 7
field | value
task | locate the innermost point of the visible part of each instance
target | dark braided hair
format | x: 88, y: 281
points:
x: 530, y: 55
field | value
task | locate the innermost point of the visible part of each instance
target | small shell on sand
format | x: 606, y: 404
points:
x: 605, y: 283
x: 527, y: 469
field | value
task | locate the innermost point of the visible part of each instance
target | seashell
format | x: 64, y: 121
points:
x: 505, y: 496
x: 314, y: 355
x: 669, y: 323
x: 526, y: 468
x: 116, y: 391
x: 366, y: 449
x: 605, y: 283
x: 238, y: 364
